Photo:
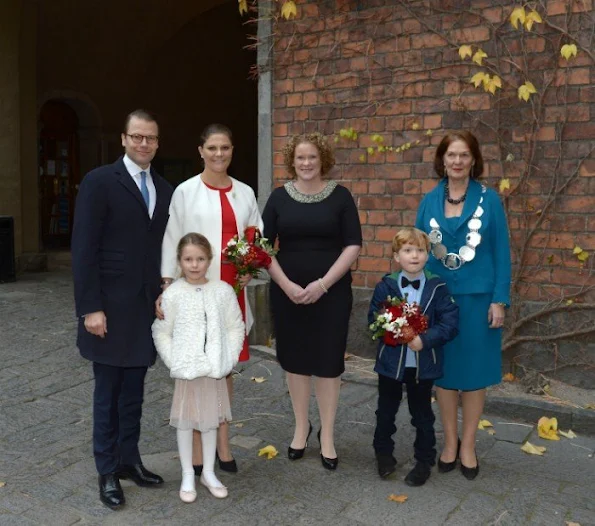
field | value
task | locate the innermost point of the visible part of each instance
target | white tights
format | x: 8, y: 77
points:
x: 209, y: 450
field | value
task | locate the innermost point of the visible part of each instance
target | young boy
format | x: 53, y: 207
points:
x: 416, y: 364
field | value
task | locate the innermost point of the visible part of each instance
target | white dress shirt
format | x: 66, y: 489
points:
x: 134, y: 170
x: 412, y: 296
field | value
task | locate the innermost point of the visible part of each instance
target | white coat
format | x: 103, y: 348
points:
x: 202, y: 333
x: 196, y: 208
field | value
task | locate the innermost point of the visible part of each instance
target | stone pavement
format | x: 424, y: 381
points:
x: 47, y: 467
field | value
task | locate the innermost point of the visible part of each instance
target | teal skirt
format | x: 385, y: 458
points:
x: 473, y: 360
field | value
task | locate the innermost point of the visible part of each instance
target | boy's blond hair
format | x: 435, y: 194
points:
x: 413, y: 236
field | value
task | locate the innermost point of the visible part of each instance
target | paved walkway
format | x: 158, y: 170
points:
x: 47, y: 467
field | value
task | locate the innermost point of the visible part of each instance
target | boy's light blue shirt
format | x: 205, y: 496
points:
x: 412, y: 296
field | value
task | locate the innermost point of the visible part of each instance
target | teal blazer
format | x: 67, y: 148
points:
x: 490, y: 271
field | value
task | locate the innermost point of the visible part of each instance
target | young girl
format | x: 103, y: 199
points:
x: 199, y: 340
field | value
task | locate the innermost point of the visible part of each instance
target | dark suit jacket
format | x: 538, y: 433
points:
x: 116, y: 258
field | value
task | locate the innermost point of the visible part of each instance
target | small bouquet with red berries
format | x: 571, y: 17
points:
x: 248, y: 254
x: 398, y: 322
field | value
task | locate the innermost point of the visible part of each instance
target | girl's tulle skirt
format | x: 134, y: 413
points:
x: 202, y: 403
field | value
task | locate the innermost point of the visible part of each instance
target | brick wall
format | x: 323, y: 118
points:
x: 391, y: 67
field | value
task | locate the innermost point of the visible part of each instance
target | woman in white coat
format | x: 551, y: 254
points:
x: 217, y: 206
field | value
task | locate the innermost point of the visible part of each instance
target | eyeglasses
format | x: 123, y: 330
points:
x: 138, y: 138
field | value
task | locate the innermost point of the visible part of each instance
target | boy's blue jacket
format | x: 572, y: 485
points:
x: 443, y: 325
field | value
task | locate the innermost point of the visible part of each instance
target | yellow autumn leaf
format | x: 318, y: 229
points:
x: 570, y: 523
x: 590, y: 406
x: 429, y: 133
x: 480, y: 54
x: 483, y: 424
x: 258, y: 379
x: 397, y: 498
x: 2, y: 483
x: 569, y: 302
x: 504, y: 184
x: 529, y: 448
x: 243, y: 6
x: 479, y: 78
x: 508, y: 377
x: 239, y: 424
x: 415, y: 126
x: 289, y: 9
x: 577, y: 250
x: 370, y: 150
x: 548, y: 428
x: 526, y: 90
x: 568, y: 434
x: 491, y: 431
x: 518, y: 15
x: 269, y: 451
x: 362, y: 157
x: 583, y: 256
x: 568, y: 50
x: 492, y: 83
x: 531, y: 18
x: 465, y: 51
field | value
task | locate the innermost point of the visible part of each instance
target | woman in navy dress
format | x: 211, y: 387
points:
x: 318, y: 229
x: 471, y: 252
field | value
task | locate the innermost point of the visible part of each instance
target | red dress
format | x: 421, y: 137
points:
x: 228, y: 272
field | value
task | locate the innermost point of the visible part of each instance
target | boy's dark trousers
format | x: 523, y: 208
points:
x: 419, y: 398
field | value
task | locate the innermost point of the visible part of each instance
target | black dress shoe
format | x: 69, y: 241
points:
x: 227, y: 465
x: 140, y: 475
x: 110, y: 491
x: 296, y: 454
x: 445, y: 467
x: 419, y: 474
x: 327, y: 463
x: 197, y: 470
x: 387, y: 464
x: 470, y: 473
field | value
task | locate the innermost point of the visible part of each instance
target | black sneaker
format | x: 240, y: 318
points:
x: 387, y: 465
x: 419, y: 474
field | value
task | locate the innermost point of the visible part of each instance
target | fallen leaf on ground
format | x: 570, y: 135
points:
x: 398, y: 498
x: 548, y: 428
x: 483, y: 424
x: 348, y: 356
x: 258, y: 379
x: 508, y: 377
x: 239, y: 424
x: 2, y: 484
x: 491, y: 431
x: 568, y: 434
x: 269, y: 451
x: 590, y: 406
x: 527, y: 447
x: 569, y: 523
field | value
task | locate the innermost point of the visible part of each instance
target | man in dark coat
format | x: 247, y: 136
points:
x: 119, y: 221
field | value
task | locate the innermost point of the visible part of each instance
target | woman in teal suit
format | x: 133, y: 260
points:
x: 471, y: 252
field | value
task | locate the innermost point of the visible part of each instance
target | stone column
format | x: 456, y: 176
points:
x: 10, y: 175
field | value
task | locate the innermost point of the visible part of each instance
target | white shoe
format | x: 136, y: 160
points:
x: 217, y: 491
x: 188, y: 496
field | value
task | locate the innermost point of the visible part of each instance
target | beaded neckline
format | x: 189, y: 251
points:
x: 296, y: 195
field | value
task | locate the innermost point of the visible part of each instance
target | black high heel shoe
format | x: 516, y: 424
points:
x: 327, y: 463
x: 227, y: 465
x: 296, y: 454
x: 445, y: 467
x: 470, y: 473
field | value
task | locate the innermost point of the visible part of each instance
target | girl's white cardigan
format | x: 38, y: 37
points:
x: 202, y: 333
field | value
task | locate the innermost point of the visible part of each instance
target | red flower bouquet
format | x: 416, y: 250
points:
x: 398, y: 322
x: 248, y: 254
